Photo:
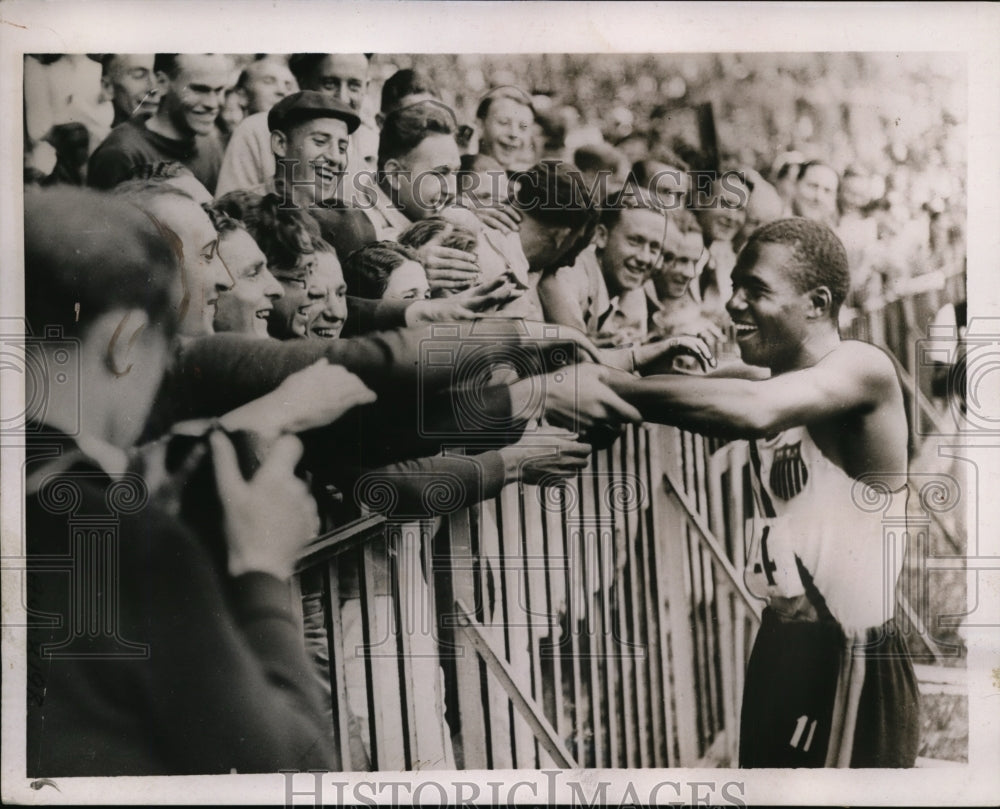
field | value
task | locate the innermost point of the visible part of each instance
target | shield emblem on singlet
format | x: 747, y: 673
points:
x: 789, y: 473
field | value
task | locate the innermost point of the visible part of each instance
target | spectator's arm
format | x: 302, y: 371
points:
x: 365, y: 315
x: 428, y: 487
x: 559, y: 302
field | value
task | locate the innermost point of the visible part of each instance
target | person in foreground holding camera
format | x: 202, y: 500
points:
x: 196, y: 672
x: 829, y: 682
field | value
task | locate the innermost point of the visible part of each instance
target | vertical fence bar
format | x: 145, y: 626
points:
x: 577, y: 599
x: 609, y: 648
x: 589, y: 540
x: 655, y: 659
x: 385, y: 716
x: 618, y: 507
x: 637, y: 622
x: 457, y: 562
x: 658, y: 439
x: 514, y: 590
x: 535, y: 604
x: 335, y: 662
x: 490, y: 530
x: 730, y: 607
x: 554, y: 552
x: 675, y: 563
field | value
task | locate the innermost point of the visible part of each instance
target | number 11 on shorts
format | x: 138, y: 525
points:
x: 800, y: 727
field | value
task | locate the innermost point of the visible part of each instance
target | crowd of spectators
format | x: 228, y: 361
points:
x: 267, y: 247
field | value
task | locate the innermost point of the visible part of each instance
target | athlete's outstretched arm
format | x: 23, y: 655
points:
x: 853, y: 378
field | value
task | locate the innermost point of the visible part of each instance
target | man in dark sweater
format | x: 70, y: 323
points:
x: 154, y: 661
x: 191, y: 88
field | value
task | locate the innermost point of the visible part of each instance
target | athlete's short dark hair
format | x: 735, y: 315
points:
x: 819, y: 257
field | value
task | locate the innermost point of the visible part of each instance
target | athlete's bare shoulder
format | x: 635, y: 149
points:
x: 869, y: 364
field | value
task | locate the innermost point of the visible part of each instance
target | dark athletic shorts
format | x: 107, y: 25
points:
x: 805, y: 684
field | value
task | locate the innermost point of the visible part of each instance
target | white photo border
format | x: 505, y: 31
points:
x: 228, y: 26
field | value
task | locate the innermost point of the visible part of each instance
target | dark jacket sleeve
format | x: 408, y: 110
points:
x: 430, y: 380
x: 424, y: 487
x: 366, y: 315
x: 222, y: 371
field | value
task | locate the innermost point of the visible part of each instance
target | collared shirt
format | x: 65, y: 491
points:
x: 617, y: 319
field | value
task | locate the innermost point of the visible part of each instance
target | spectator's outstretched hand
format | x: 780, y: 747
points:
x: 268, y: 520
x: 575, y: 397
x: 500, y: 217
x: 658, y: 357
x: 544, y: 455
x: 467, y: 305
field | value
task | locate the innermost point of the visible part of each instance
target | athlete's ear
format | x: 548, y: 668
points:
x: 821, y: 300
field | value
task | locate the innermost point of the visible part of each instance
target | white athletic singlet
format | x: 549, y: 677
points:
x: 813, y: 521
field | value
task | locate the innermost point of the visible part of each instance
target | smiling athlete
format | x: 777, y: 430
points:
x: 829, y: 682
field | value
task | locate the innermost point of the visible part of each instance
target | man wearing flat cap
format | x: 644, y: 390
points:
x: 249, y: 162
x: 309, y: 137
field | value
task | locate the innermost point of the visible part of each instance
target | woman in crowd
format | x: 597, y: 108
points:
x: 386, y: 270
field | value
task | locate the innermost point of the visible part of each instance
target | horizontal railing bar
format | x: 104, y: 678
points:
x: 543, y: 731
x: 339, y: 540
x: 709, y: 540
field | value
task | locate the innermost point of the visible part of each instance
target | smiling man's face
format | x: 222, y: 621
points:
x: 317, y: 152
x: 204, y: 275
x: 290, y: 313
x: 631, y: 249
x: 193, y: 98
x: 767, y: 308
x: 246, y: 307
